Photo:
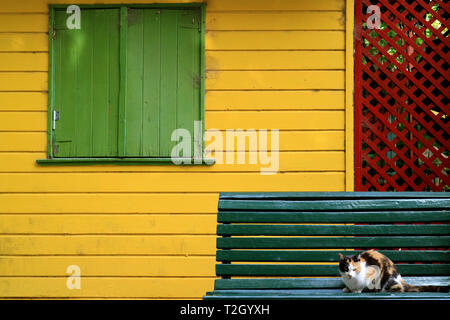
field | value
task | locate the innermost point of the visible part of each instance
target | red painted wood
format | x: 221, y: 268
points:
x: 402, y: 126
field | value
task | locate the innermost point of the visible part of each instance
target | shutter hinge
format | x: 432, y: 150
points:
x: 55, y: 118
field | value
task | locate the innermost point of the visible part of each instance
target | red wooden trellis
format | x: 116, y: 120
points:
x: 402, y: 127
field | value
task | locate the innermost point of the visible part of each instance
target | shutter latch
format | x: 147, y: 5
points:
x: 55, y: 118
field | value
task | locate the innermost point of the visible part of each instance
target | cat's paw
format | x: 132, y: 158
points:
x: 346, y: 290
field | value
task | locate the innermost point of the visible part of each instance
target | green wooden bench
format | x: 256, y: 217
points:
x: 286, y: 245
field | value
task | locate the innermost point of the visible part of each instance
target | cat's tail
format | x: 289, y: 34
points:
x: 411, y: 288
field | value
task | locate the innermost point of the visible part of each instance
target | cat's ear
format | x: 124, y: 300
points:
x: 341, y: 257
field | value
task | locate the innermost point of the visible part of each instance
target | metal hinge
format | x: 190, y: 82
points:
x: 55, y: 118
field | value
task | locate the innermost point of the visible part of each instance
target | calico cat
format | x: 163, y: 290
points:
x: 371, y: 271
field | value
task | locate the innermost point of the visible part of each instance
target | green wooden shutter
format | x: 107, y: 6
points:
x: 162, y: 79
x: 86, y: 84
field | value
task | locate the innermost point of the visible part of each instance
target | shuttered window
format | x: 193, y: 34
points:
x: 124, y: 81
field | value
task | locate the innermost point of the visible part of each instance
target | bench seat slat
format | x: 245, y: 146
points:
x: 332, y: 195
x: 338, y: 230
x: 312, y: 283
x: 341, y: 205
x: 327, y: 256
x: 333, y: 217
x: 332, y: 242
x: 318, y: 269
x: 322, y: 294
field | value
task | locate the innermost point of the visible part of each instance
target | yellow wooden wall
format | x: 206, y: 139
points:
x: 149, y: 231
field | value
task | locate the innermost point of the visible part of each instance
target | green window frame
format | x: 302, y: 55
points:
x: 122, y: 83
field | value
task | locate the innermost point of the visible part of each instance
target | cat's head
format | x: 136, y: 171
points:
x: 349, y: 265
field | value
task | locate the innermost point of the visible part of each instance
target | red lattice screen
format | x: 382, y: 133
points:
x: 402, y: 124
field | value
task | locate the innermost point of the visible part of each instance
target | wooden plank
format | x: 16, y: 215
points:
x: 25, y: 42
x: 189, y: 75
x: 328, y: 255
x: 104, y: 287
x: 23, y: 81
x: 263, y: 5
x: 105, y: 84
x: 121, y: 128
x: 319, y: 270
x: 341, y: 205
x: 282, y: 120
x: 213, y: 5
x: 134, y: 83
x: 322, y: 294
x: 115, y: 224
x: 23, y: 101
x: 287, y: 283
x: 112, y: 204
x: 151, y: 84
x: 108, y: 266
x: 272, y: 100
x: 26, y: 162
x: 23, y: 22
x: 14, y: 61
x: 272, y: 80
x: 349, y: 95
x: 161, y: 182
x: 275, y: 40
x: 169, y: 74
x: 107, y: 245
x: 332, y: 195
x: 280, y: 20
x: 338, y: 230
x: 292, y: 142
x: 309, y: 283
x: 274, y: 60
x: 20, y: 141
x: 333, y: 242
x: 221, y: 120
x: 23, y: 121
x: 334, y: 217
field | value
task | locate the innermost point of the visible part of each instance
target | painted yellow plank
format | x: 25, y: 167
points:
x: 22, y: 141
x: 110, y: 266
x: 42, y: 5
x: 288, y: 161
x: 273, y: 100
x: 23, y: 42
x: 183, y: 288
x: 108, y: 224
x: 221, y: 120
x: 275, y: 40
x: 23, y: 81
x: 23, y: 121
x: 212, y: 5
x: 23, y: 22
x: 292, y: 120
x: 274, y: 60
x: 109, y: 203
x: 15, y: 101
x: 326, y: 5
x: 271, y: 80
x: 349, y: 109
x: 107, y: 244
x: 13, y: 61
x: 281, y: 20
x: 175, y: 182
x: 36, y: 142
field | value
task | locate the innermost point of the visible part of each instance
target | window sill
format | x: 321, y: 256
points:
x: 120, y: 161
